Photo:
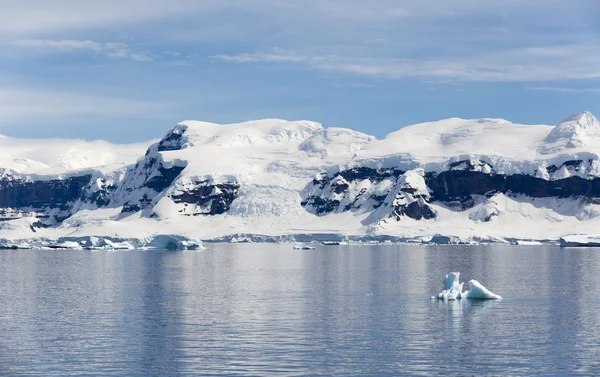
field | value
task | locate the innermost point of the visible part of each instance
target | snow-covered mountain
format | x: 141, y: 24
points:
x: 486, y: 179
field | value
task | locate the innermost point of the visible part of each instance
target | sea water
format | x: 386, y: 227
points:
x: 266, y: 309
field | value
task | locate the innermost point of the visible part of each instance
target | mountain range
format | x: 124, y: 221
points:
x: 455, y: 180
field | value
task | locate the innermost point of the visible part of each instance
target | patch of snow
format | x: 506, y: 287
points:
x: 336, y: 142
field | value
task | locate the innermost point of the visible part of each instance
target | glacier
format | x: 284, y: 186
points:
x: 454, y: 181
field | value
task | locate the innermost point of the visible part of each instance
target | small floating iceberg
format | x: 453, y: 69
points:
x: 479, y: 292
x: 453, y: 290
x: 452, y: 287
x: 580, y: 240
x: 97, y: 243
x: 172, y: 243
x: 303, y: 247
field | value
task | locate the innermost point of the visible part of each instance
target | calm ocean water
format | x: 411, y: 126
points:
x: 270, y: 310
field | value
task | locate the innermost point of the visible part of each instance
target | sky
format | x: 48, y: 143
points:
x: 128, y: 71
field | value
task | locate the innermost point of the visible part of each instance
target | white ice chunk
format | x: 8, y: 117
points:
x: 173, y: 242
x: 479, y: 292
x: 453, y: 290
x: 303, y: 247
x: 452, y: 287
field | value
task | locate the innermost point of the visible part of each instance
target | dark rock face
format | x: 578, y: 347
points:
x: 404, y: 197
x: 39, y: 194
x: 573, y: 164
x: 419, y: 209
x: 377, y: 200
x: 130, y: 208
x: 469, y: 165
x: 373, y: 175
x: 574, y: 167
x: 164, y: 179
x: 338, y: 183
x: 101, y: 197
x: 148, y: 178
x: 18, y: 197
x: 455, y: 188
x: 451, y: 186
x: 360, y: 173
x: 322, y: 206
x: 212, y: 199
x: 173, y: 141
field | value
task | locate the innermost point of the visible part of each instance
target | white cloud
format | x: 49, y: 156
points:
x: 43, y: 16
x: 564, y: 90
x: 277, y: 56
x: 65, y: 45
x: 570, y: 62
x: 110, y: 49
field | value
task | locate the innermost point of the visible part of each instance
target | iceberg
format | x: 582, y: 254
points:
x: 452, y: 287
x: 453, y: 290
x: 171, y: 242
x: 580, y: 240
x: 303, y: 247
x: 479, y: 292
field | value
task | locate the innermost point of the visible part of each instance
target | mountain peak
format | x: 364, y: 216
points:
x: 583, y: 118
x: 573, y: 132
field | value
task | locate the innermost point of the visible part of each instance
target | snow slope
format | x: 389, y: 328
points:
x: 60, y: 156
x: 467, y: 180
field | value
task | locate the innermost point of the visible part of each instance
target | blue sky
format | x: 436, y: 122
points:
x: 129, y: 70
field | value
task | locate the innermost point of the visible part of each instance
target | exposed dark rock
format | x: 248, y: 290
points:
x: 130, y: 208
x: 378, y: 199
x: 469, y: 165
x: 573, y: 165
x: 16, y: 193
x: 148, y: 178
x: 166, y: 177
x: 353, y: 204
x: 456, y: 188
x: 340, y: 188
x: 417, y: 210
x: 100, y: 197
x: 172, y: 141
x: 19, y: 197
x: 322, y: 206
x: 216, y: 199
x: 360, y: 173
x: 374, y: 175
x: 451, y: 186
